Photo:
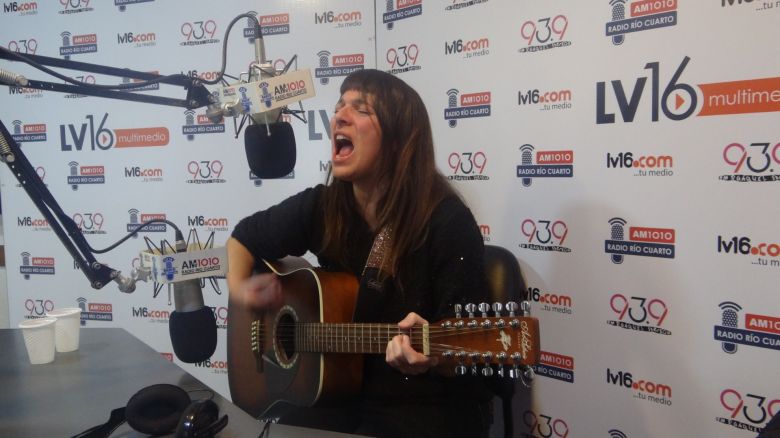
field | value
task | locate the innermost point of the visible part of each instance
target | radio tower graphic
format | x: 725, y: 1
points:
x: 729, y: 319
x: 526, y: 159
x: 617, y: 233
x: 452, y: 102
x: 618, y: 13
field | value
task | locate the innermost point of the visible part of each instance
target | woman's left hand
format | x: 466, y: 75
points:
x: 402, y: 356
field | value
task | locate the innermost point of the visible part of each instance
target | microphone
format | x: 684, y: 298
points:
x: 269, y: 143
x: 192, y: 325
x: 270, y: 149
x: 13, y: 79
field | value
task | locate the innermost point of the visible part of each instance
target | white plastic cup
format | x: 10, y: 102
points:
x: 66, y: 329
x: 39, y: 339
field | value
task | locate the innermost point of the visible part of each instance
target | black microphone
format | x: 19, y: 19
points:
x: 192, y: 325
x: 270, y: 149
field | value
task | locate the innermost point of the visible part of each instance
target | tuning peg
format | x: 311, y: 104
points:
x: 470, y: 307
x: 501, y: 371
x: 484, y: 307
x: 460, y: 370
x: 487, y: 371
x: 525, y: 308
x: 458, y: 308
x: 528, y: 372
x: 497, y: 308
x: 511, y: 307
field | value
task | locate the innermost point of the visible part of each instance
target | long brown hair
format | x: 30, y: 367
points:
x: 407, y: 171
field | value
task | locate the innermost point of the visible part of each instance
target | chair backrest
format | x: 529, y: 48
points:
x: 505, y: 281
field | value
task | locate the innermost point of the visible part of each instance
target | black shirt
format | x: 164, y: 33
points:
x: 446, y: 269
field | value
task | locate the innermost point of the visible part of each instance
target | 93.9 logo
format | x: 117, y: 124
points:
x: 403, y: 58
x: 755, y: 158
x: 74, y: 5
x: 544, y: 426
x: 754, y: 408
x: 199, y: 30
x: 89, y: 223
x: 37, y: 308
x: 639, y: 309
x: 545, y: 232
x: 26, y: 47
x: 467, y: 165
x: 544, y: 30
x: 205, y: 169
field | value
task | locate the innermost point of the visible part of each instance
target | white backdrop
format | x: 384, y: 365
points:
x: 624, y: 151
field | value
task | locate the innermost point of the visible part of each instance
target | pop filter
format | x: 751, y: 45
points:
x: 270, y: 156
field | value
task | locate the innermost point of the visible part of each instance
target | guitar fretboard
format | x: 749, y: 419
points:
x: 354, y: 338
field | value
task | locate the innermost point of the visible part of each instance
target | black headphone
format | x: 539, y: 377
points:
x: 161, y: 409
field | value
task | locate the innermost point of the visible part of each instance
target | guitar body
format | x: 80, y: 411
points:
x: 267, y: 375
x: 308, y: 352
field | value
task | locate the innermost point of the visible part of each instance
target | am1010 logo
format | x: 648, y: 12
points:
x: 752, y: 162
x: 643, y: 15
x: 761, y: 331
x: 549, y: 164
x: 642, y: 241
x: 555, y: 366
x: 747, y: 411
x: 405, y: 9
x: 543, y: 425
x: 544, y: 235
x: 467, y: 105
x: 639, y: 314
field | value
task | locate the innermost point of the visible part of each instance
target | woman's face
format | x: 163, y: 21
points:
x: 356, y: 139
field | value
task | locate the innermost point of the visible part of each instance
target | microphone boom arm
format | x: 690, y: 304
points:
x: 63, y: 226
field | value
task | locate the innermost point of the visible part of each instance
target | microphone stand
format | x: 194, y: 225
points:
x: 63, y: 225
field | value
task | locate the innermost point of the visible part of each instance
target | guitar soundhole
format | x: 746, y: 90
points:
x: 285, y: 337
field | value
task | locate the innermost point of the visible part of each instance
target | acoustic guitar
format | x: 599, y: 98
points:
x: 307, y: 353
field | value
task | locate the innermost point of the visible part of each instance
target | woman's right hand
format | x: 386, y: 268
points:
x: 261, y: 291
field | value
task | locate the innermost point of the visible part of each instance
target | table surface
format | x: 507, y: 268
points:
x: 79, y: 389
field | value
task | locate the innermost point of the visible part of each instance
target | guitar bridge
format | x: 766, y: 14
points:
x: 256, y: 342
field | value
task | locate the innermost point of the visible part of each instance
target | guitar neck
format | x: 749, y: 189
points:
x: 355, y: 337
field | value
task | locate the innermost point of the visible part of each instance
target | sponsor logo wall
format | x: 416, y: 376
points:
x: 626, y: 152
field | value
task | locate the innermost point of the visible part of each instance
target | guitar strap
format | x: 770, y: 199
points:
x: 373, y: 280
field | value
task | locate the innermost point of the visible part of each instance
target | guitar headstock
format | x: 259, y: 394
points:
x: 480, y: 341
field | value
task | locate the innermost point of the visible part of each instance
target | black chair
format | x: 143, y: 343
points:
x: 505, y: 282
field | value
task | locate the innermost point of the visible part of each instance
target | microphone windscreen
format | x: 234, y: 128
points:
x: 193, y: 334
x: 270, y: 156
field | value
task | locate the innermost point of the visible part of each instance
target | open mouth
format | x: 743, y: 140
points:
x: 344, y: 146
